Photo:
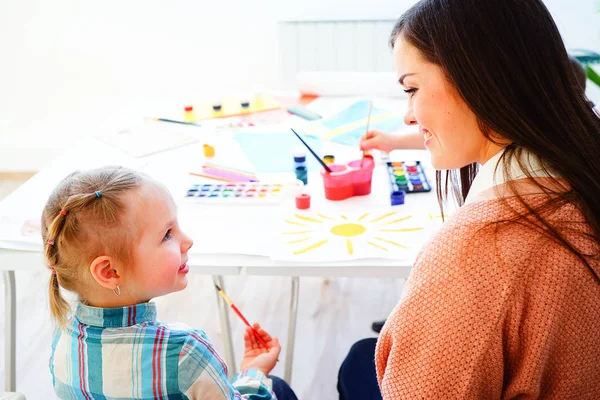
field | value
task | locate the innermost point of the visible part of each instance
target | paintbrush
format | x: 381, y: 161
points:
x: 312, y: 152
x: 367, y: 130
x: 239, y: 313
x: 174, y: 121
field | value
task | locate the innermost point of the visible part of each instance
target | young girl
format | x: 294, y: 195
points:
x: 111, y: 236
x: 503, y: 302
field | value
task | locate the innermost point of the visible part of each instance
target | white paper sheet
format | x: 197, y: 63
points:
x: 341, y: 236
x: 147, y: 137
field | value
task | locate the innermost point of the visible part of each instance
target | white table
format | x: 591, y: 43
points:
x: 28, y: 200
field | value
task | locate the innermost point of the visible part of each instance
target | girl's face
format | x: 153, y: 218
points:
x: 159, y: 258
x: 450, y: 129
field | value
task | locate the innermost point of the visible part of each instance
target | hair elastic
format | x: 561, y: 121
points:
x: 63, y: 212
x: 50, y: 242
x: 98, y: 194
x: 51, y: 267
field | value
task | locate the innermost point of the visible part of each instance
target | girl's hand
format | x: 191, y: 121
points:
x: 377, y: 140
x: 255, y: 354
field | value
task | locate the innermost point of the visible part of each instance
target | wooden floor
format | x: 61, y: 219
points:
x: 332, y: 315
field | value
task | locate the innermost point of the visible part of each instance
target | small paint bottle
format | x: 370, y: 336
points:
x: 188, y: 114
x: 217, y: 109
x: 329, y: 159
x: 302, y: 201
x: 299, y: 158
x: 209, y: 151
x: 302, y: 174
x: 397, y: 197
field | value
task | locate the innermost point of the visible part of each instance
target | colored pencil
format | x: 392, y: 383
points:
x: 312, y: 152
x: 239, y: 313
x: 367, y: 130
x: 303, y: 112
x: 225, y: 168
x: 238, y: 174
x: 217, y: 178
x: 175, y: 121
x: 235, y: 177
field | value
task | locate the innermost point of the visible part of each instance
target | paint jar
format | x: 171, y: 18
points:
x: 352, y: 179
x: 397, y: 197
x: 299, y: 158
x: 188, y: 114
x: 209, y: 151
x: 302, y: 174
x: 329, y: 159
x: 259, y: 99
x: 303, y: 201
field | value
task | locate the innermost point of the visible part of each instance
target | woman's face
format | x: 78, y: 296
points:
x: 449, y: 127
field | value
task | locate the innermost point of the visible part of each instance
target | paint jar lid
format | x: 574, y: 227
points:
x: 189, y: 108
x: 303, y: 201
x: 216, y: 107
x: 299, y: 152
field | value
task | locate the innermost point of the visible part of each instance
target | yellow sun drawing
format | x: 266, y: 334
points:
x: 380, y: 229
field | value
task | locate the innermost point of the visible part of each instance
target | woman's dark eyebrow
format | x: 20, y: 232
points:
x: 401, y: 80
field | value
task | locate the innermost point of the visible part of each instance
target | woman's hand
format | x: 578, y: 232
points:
x: 255, y: 354
x: 377, y: 140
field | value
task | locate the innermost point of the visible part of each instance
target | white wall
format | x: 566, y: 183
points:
x: 67, y: 65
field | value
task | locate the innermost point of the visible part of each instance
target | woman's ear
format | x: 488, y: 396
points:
x: 105, y: 272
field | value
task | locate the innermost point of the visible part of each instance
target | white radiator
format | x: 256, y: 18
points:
x: 354, y: 46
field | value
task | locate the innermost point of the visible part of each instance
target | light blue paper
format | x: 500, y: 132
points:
x: 360, y: 111
x: 273, y: 152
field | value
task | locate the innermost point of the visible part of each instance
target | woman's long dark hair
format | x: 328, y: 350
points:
x: 508, y: 62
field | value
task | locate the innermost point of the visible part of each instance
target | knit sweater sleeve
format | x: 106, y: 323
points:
x: 444, y: 339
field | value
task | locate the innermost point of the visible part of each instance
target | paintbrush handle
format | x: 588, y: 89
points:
x: 362, y: 158
x: 369, y: 117
x: 260, y: 339
x: 312, y: 152
x: 174, y: 121
x: 239, y: 313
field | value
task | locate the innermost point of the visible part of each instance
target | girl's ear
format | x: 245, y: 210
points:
x: 104, y: 271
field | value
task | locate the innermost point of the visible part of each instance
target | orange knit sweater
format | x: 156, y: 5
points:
x: 496, y: 312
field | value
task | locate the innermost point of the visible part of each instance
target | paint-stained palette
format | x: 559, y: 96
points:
x: 241, y: 192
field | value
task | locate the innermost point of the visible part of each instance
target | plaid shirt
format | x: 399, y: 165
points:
x: 125, y: 353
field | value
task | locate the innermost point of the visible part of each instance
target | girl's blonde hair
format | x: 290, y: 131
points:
x: 85, y: 217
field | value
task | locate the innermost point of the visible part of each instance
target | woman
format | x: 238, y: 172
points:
x: 504, y: 302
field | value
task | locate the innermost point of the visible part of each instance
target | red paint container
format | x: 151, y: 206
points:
x: 345, y: 181
x: 303, y: 201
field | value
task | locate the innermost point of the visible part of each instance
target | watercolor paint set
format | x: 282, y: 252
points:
x: 408, y: 177
x: 241, y: 192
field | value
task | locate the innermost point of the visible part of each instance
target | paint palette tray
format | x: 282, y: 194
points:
x: 408, y: 177
x: 240, y: 192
